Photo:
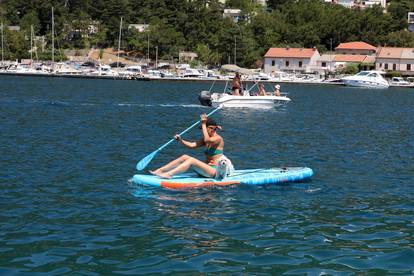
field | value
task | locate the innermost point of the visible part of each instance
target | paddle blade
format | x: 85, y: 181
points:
x: 146, y: 160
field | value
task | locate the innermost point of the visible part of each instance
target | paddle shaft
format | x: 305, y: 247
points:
x: 147, y: 159
x: 188, y: 129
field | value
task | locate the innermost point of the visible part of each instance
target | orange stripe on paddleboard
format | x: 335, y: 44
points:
x: 184, y: 185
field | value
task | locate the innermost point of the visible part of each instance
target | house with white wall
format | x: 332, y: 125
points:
x: 395, y: 59
x: 300, y: 60
x: 332, y: 62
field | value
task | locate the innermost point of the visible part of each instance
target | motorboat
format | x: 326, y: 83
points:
x: 192, y: 73
x: 367, y: 79
x: 399, y: 82
x: 226, y: 100
x: 248, y: 97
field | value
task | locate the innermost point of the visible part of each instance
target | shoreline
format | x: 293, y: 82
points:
x: 144, y: 78
x: 176, y: 79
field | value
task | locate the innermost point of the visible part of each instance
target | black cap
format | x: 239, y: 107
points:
x: 212, y: 122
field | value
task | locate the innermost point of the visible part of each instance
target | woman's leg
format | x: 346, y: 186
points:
x: 184, y: 166
x: 171, y: 165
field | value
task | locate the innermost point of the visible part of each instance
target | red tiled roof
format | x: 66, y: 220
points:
x: 354, y: 58
x: 357, y: 45
x: 389, y: 52
x: 349, y: 58
x: 290, y: 52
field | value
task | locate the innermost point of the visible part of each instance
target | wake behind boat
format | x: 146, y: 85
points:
x: 248, y: 98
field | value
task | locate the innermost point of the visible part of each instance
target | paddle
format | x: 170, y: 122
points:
x: 147, y: 159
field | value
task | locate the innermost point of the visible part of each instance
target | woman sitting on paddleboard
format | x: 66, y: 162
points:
x: 214, y: 144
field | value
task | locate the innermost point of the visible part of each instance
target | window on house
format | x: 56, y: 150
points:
x: 386, y: 66
x: 287, y: 63
x: 323, y: 64
x: 380, y: 65
x: 408, y: 67
x: 300, y: 63
x: 394, y: 67
x: 273, y: 63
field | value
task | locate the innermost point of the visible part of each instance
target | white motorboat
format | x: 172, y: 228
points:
x: 249, y: 99
x: 226, y: 100
x: 399, y: 82
x: 367, y: 79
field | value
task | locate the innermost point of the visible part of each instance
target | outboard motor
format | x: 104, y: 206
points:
x: 205, y: 98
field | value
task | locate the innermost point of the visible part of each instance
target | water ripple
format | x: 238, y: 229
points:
x: 68, y: 148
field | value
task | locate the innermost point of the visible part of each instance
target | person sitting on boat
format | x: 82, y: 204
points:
x: 277, y: 90
x: 236, y: 85
x: 262, y: 91
x: 214, y: 145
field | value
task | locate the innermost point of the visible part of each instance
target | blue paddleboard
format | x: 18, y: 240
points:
x: 246, y: 177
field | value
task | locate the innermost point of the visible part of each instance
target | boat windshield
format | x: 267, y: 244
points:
x: 363, y: 73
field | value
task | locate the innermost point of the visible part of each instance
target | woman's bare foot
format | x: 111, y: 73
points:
x: 154, y: 172
x: 163, y: 175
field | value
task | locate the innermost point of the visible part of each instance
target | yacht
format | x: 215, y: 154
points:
x: 367, y: 79
x: 192, y: 73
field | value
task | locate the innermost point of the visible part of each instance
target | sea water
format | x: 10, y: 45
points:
x: 69, y: 149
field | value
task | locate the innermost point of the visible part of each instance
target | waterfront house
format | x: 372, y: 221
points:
x: 326, y: 63
x: 332, y: 62
x: 411, y: 21
x: 366, y: 62
x: 395, y: 59
x: 356, y: 48
x: 301, y: 60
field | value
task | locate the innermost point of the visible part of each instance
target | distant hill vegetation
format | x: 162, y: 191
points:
x: 199, y: 26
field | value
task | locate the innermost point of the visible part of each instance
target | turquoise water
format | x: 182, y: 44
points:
x: 69, y: 148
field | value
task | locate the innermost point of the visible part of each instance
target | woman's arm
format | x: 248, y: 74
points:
x: 188, y: 144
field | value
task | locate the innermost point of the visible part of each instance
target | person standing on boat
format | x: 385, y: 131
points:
x: 236, y: 85
x: 277, y: 90
x: 214, y: 145
x: 262, y: 91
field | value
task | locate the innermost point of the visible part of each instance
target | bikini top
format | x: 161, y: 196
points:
x: 210, y: 152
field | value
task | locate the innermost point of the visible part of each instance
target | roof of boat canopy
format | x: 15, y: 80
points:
x: 235, y: 68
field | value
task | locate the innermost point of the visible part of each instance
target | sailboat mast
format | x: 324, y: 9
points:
x: 148, y: 59
x: 53, y: 37
x: 119, y: 42
x: 31, y: 44
x: 235, y: 47
x: 2, y: 43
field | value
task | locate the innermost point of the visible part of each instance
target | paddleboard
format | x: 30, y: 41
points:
x: 246, y: 177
